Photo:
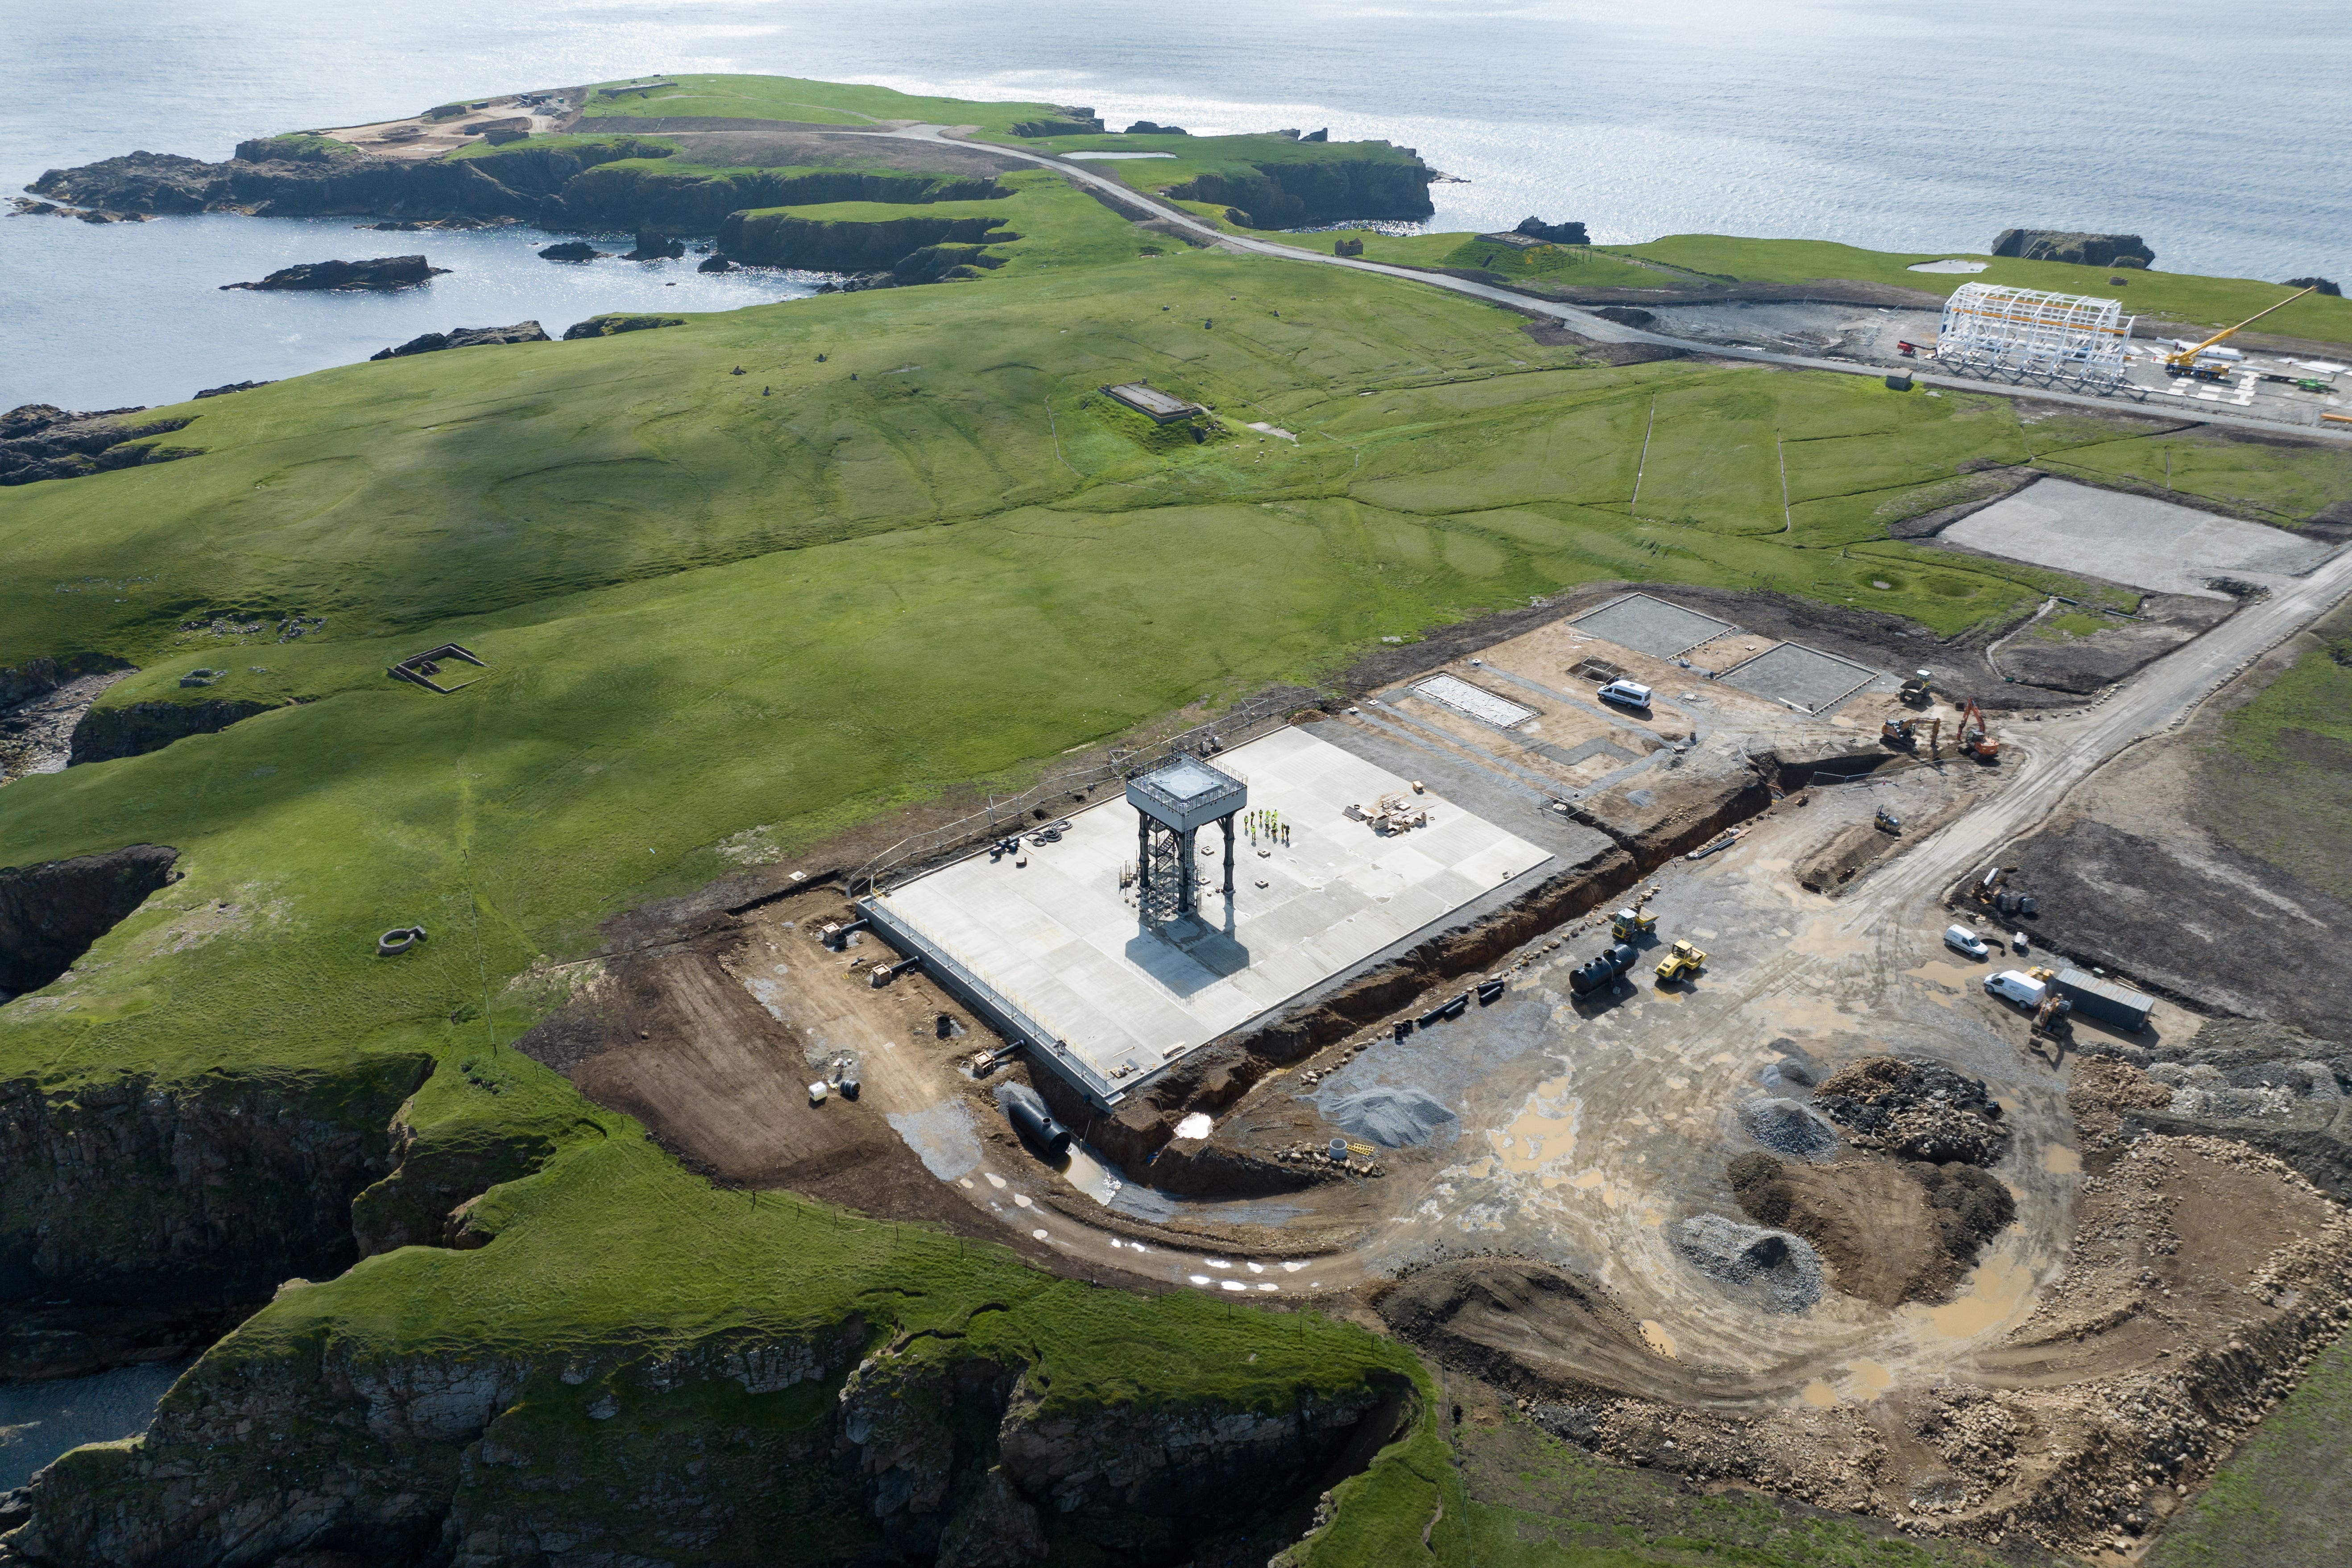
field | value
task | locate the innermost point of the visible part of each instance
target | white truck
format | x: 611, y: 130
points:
x: 2016, y: 985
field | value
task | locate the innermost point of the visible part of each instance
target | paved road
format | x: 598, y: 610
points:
x: 1582, y: 321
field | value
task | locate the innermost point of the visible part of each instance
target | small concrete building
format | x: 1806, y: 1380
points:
x: 1160, y: 407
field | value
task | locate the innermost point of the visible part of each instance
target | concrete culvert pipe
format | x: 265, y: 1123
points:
x: 1027, y: 1112
x: 399, y: 939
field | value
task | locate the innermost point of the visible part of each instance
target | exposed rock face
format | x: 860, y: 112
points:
x: 382, y: 272
x: 787, y: 239
x: 232, y: 386
x: 715, y: 264
x: 1067, y: 122
x: 1285, y: 195
x: 2083, y: 249
x: 572, y: 251
x: 610, y: 326
x: 240, y: 1184
x: 38, y: 441
x: 1553, y: 233
x: 652, y: 247
x: 465, y: 337
x: 137, y: 728
x: 2326, y: 286
x: 570, y: 1456
x: 50, y: 913
x: 1146, y: 127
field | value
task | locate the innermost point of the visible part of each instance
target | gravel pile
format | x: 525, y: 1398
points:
x: 1391, y: 1118
x: 1783, y: 1268
x: 1786, y: 1127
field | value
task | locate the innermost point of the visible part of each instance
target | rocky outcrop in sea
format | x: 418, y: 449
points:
x: 382, y: 272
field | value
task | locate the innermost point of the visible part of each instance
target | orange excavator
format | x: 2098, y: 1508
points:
x: 1975, y: 738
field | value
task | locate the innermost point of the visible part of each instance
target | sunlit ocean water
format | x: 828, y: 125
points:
x: 1898, y: 124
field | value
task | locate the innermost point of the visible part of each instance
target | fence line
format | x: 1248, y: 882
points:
x: 1011, y: 814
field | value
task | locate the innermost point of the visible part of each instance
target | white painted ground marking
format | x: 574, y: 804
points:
x: 1231, y: 1285
x: 1292, y: 1267
x: 1022, y: 1198
x: 1256, y: 1267
x: 1269, y: 1284
x: 995, y: 1180
x: 1202, y: 1280
x: 966, y: 1181
x: 1038, y: 1234
x: 1216, y: 1263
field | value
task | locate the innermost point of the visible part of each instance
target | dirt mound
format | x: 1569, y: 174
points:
x: 1783, y: 1269
x: 1391, y: 1118
x: 1890, y: 1232
x: 1917, y: 1110
x: 1786, y: 1127
x: 1527, y: 1327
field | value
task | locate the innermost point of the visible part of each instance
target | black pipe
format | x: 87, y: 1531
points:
x: 1027, y: 1112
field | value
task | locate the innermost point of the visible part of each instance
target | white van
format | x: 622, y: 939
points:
x: 2016, y: 985
x: 1630, y: 693
x: 1960, y: 939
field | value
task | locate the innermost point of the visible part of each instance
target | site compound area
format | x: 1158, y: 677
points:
x: 1642, y: 1014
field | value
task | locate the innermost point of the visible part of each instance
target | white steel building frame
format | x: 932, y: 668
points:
x: 2071, y: 340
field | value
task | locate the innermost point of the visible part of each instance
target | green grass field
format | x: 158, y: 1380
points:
x: 911, y: 546
x: 2282, y: 1498
x: 795, y: 99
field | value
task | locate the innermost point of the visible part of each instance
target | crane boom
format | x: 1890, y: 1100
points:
x: 2188, y: 356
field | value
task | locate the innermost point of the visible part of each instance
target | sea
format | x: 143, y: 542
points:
x: 2214, y: 131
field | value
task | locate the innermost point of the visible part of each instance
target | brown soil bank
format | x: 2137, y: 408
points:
x: 1890, y: 1231
x: 2201, y: 1278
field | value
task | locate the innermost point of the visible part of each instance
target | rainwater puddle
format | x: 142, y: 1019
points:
x: 1995, y: 1292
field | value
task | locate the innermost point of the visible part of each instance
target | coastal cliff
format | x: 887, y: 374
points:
x: 614, y: 182
x: 1288, y: 193
x: 289, y: 1437
x: 821, y: 245
x: 137, y: 1216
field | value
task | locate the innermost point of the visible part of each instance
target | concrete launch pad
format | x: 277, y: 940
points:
x: 1056, y: 952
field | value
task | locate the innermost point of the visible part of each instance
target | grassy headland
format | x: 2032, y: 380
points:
x: 908, y: 546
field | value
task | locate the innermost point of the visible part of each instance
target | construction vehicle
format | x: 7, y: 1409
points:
x: 1887, y: 822
x: 2185, y: 361
x: 1632, y: 925
x: 1976, y: 737
x: 1899, y: 732
x: 2049, y: 1019
x: 1918, y: 689
x: 1681, y: 961
x: 1603, y: 970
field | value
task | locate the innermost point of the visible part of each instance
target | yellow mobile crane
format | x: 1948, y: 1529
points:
x: 2185, y: 361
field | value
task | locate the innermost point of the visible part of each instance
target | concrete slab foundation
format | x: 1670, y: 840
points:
x: 1054, y: 951
x: 1651, y: 625
x: 1805, y: 677
x: 2133, y: 540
